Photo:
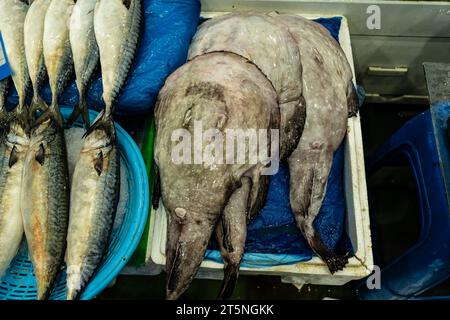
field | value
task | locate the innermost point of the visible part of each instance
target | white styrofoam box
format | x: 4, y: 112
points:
x: 314, y: 271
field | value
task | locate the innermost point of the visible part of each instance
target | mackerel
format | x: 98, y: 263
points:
x: 34, y: 49
x: 85, y: 53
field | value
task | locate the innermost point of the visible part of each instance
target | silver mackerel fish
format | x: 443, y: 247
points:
x: 15, y: 140
x: 95, y: 185
x: 34, y: 49
x: 93, y: 203
x: 45, y: 191
x: 85, y: 52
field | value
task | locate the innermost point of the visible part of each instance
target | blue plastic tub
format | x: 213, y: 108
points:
x: 19, y: 282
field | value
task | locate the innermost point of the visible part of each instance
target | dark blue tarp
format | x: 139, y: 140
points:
x: 273, y: 237
x: 5, y: 71
x: 166, y: 32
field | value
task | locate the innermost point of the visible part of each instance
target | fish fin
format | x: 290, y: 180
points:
x: 40, y: 156
x: 51, y: 113
x: 103, y: 122
x: 38, y: 104
x: 258, y: 196
x: 259, y: 185
x: 13, y: 157
x: 21, y: 116
x: 80, y: 109
x: 334, y: 261
x: 47, y: 114
x: 98, y: 163
x: 231, y: 274
x: 352, y: 101
x: 231, y: 233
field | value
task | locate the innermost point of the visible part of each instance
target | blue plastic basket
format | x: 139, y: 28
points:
x: 19, y: 282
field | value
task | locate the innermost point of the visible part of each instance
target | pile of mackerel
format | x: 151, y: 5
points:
x: 62, y: 220
x: 258, y: 71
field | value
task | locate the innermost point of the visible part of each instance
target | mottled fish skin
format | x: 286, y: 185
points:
x: 4, y: 87
x: 12, y: 17
x: 45, y: 203
x: 13, y: 147
x: 236, y: 95
x: 57, y: 51
x: 85, y: 52
x: 34, y: 49
x: 93, y: 203
x: 4, y: 115
x: 269, y: 45
x: 116, y: 25
x: 327, y: 80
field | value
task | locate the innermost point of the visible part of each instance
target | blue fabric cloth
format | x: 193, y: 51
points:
x: 273, y: 237
x: 166, y: 32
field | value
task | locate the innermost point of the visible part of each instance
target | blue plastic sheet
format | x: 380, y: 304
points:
x: 273, y: 237
x: 166, y: 32
x: 5, y: 70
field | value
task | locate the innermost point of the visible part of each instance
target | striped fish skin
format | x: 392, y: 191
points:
x: 116, y: 25
x: 4, y: 86
x: 93, y: 203
x: 84, y: 50
x: 45, y: 203
x: 12, y: 17
x: 57, y: 49
x: 4, y: 115
x: 34, y: 49
x: 14, y: 142
x: 13, y: 147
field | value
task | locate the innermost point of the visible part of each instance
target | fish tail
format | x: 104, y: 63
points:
x: 231, y: 274
x: 307, y: 190
x: 21, y: 116
x: 103, y: 122
x: 53, y: 113
x: 80, y: 109
x: 334, y: 261
x: 38, y: 104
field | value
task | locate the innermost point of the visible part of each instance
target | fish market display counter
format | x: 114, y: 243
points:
x: 314, y: 271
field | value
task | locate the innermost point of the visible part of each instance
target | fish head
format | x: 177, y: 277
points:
x: 193, y: 198
x: 194, y: 188
x: 189, y: 233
